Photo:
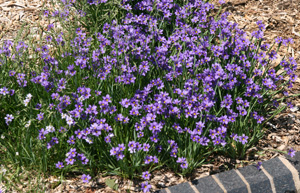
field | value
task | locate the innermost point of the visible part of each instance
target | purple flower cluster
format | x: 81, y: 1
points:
x: 118, y: 151
x: 150, y: 158
x: 72, y: 155
x: 243, y: 138
x: 6, y: 49
x: 183, y: 162
x: 4, y: 91
x: 166, y: 82
x: 53, y: 141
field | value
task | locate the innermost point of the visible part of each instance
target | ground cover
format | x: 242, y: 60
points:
x: 167, y: 172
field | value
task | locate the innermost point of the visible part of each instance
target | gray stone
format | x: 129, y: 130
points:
x: 258, y: 181
x: 295, y: 161
x: 282, y: 177
x: 207, y: 185
x: 161, y: 191
x: 232, y: 182
x: 182, y: 188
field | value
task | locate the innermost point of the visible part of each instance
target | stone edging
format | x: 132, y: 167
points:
x: 280, y: 174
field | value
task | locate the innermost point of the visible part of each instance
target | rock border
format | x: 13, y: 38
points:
x: 280, y: 174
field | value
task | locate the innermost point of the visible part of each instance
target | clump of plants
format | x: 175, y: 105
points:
x: 159, y: 84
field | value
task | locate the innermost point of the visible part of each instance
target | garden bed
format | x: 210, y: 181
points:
x: 283, y: 131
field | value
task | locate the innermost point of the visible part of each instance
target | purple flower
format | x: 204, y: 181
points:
x: 257, y: 34
x: 107, y: 139
x: 38, y: 106
x: 11, y: 73
x: 154, y: 138
x: 54, y: 96
x: 126, y: 120
x: 234, y: 136
x: 132, y: 146
x: 223, y: 119
x: 8, y: 118
x: 121, y: 147
x: 69, y: 120
x: 98, y: 93
x: 85, y: 178
x: 48, y: 38
x: 107, y: 99
x: 146, y: 147
x: 125, y: 103
x: 72, y: 152
x: 146, y: 187
x: 173, y: 153
x: 243, y: 112
x: 51, y: 105
x: 258, y: 165
x: 42, y: 134
x: 291, y: 152
x: 59, y: 165
x: 119, y: 117
x: 40, y: 116
x: 140, y: 134
x: 53, y: 141
x: 11, y: 92
x: 78, y: 133
x: 21, y: 76
x: 221, y: 2
x: 290, y: 105
x: 146, y: 175
x: 155, y: 159
x: 120, y: 155
x: 243, y: 139
x: 278, y: 40
x: 83, y: 159
x: 259, y: 119
x: 4, y: 91
x: 71, y: 140
x: 114, y: 151
x: 148, y: 159
x: 217, y: 141
x: 51, y: 25
x: 46, y: 13
x: 184, y: 165
x: 183, y: 162
x: 70, y: 160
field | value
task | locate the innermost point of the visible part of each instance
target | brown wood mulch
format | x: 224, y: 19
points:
x: 27, y: 13
x: 281, y: 17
